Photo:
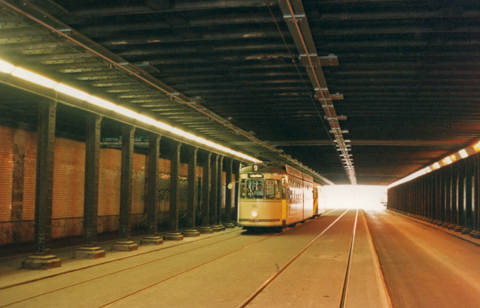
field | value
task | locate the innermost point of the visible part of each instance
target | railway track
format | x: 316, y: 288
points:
x: 276, y: 275
x: 122, y: 299
x: 137, y: 265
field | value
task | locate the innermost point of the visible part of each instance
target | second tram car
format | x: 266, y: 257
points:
x: 272, y: 196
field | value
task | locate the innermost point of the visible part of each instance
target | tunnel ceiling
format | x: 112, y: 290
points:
x: 408, y: 71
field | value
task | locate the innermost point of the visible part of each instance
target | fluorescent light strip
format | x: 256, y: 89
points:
x: 439, y: 164
x: 72, y: 92
x: 32, y: 77
x: 19, y: 72
x: 6, y: 67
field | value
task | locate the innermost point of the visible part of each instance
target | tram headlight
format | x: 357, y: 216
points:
x: 254, y: 214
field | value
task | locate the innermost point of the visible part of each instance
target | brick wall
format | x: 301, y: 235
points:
x: 6, y: 172
x: 30, y: 176
x: 68, y: 178
x: 138, y: 184
x: 68, y: 187
x: 109, y: 188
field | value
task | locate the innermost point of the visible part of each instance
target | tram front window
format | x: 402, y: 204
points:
x: 254, y: 189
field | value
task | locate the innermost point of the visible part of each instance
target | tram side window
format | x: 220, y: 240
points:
x: 255, y: 189
x: 278, y: 190
x: 243, y: 194
x: 270, y: 189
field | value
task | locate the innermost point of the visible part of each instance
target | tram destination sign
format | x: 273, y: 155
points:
x: 255, y: 175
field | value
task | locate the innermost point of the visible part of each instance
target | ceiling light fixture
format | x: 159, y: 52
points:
x: 35, y: 78
x: 18, y: 72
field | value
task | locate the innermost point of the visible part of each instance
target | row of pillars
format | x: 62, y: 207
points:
x: 447, y: 197
x: 211, y: 194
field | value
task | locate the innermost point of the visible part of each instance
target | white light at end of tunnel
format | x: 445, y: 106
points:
x: 365, y: 197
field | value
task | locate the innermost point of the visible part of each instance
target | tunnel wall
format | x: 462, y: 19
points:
x: 448, y: 197
x: 18, y: 150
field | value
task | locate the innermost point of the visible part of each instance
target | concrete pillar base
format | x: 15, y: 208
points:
x: 41, y: 262
x: 458, y: 228
x: 205, y: 230
x: 88, y: 252
x: 191, y: 233
x: 435, y: 222
x: 475, y: 234
x: 440, y: 223
x: 217, y: 228
x: 173, y: 236
x: 466, y: 230
x: 125, y: 245
x: 451, y: 226
x: 446, y: 224
x: 229, y: 225
x: 152, y: 240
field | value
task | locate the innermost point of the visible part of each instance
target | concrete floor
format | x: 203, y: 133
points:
x: 425, y: 265
x: 420, y: 265
x: 219, y: 270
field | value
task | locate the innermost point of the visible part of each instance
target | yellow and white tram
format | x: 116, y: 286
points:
x: 273, y: 196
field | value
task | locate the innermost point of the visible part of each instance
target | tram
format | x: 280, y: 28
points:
x: 273, y: 196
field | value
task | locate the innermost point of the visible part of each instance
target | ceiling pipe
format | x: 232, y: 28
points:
x: 328, y: 109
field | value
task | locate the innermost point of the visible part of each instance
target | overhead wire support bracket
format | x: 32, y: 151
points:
x: 303, y: 39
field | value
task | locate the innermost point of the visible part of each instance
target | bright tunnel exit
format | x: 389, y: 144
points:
x: 355, y: 196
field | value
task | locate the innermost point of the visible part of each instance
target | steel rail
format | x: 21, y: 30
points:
x: 274, y: 276
x: 343, y: 302
x: 114, y: 272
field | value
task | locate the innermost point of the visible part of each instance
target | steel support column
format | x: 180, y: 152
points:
x: 443, y: 205
x: 42, y: 259
x: 89, y: 250
x: 461, y: 197
x: 205, y: 228
x: 173, y: 233
x: 126, y: 178
x: 214, y: 194
x: 476, y: 195
x: 190, y: 230
x: 237, y: 192
x: 454, y: 212
x: 152, y: 237
x: 439, y: 198
x: 448, y: 197
x: 228, y: 194
x: 218, y: 222
x: 468, y: 209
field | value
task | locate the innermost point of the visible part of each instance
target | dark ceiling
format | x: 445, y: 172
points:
x: 408, y: 72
